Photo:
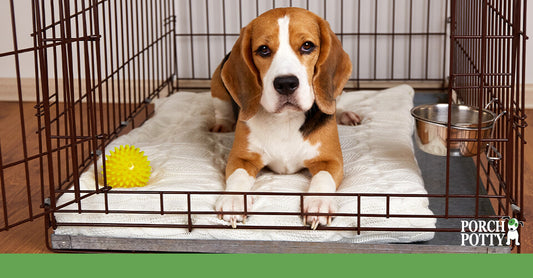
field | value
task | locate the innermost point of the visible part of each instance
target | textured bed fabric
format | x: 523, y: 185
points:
x: 185, y: 156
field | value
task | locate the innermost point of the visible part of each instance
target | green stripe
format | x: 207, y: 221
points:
x: 260, y: 265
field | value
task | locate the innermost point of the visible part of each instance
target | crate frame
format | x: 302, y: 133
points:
x: 478, y: 30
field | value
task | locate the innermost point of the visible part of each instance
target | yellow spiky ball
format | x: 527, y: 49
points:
x: 127, y: 166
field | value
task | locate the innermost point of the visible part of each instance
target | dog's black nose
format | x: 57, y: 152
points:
x: 286, y: 85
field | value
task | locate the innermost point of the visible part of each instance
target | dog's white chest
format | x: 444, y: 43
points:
x: 276, y: 137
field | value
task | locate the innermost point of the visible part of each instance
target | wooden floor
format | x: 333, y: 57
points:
x: 30, y: 238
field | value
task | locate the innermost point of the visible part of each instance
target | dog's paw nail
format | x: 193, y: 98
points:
x: 227, y: 204
x: 315, y: 223
x: 319, y: 205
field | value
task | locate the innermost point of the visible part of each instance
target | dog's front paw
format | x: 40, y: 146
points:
x: 318, y: 204
x: 233, y: 203
x: 223, y: 126
x: 348, y: 118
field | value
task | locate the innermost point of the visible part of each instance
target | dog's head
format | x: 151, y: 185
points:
x: 286, y: 60
x: 512, y: 223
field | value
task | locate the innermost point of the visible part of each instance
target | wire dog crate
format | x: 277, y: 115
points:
x: 97, y: 66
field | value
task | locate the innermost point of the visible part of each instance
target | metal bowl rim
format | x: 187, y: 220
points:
x: 445, y: 124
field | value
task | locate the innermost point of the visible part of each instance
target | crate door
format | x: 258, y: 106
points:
x: 93, y: 67
x: 53, y: 133
x: 487, y: 71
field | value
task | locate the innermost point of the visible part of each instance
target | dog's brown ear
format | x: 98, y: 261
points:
x: 332, y: 69
x: 241, y: 77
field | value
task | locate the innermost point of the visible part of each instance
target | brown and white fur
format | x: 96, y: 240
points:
x: 277, y: 89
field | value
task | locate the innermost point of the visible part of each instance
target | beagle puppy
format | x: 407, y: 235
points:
x: 277, y: 89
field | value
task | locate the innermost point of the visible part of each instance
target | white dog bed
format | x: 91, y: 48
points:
x: 185, y: 156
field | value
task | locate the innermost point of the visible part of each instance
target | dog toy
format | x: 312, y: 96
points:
x: 127, y: 166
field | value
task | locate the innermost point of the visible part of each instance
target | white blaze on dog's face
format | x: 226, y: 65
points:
x: 285, y: 56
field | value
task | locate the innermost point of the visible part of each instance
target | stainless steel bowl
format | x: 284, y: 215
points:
x: 432, y: 129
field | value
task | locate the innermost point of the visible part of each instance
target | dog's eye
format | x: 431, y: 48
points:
x: 307, y: 47
x: 263, y: 51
